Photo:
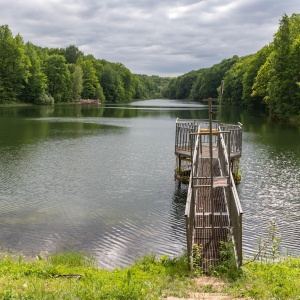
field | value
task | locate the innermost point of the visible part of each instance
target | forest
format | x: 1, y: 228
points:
x: 36, y: 75
x: 268, y: 79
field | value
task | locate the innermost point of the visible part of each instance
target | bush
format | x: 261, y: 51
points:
x: 44, y: 99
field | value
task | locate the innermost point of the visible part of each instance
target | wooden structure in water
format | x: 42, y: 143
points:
x: 207, y: 155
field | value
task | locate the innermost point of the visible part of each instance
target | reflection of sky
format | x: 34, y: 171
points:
x: 168, y: 104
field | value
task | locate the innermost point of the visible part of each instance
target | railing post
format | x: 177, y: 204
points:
x: 211, y: 168
x: 240, y: 241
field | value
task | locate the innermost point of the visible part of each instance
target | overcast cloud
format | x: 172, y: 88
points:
x: 153, y: 37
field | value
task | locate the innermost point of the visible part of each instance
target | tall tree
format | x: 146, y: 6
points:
x: 72, y: 54
x: 59, y: 78
x: 14, y: 66
x: 279, y: 85
x: 77, y: 86
x: 256, y: 62
x: 91, y: 86
x: 233, y: 81
x: 37, y: 80
x: 112, y: 84
x: 294, y: 72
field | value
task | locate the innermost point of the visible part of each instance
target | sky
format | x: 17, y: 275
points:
x: 152, y: 37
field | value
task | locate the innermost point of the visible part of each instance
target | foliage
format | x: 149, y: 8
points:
x: 44, y: 99
x: 281, y: 279
x: 91, y: 88
x: 268, y: 249
x: 278, y: 77
x: 233, y: 81
x: 59, y: 78
x: 268, y: 269
x: 269, y: 78
x: 227, y: 267
x: 71, y: 275
x: 77, y: 80
x: 201, y: 84
x: 72, y: 54
x: 14, y: 66
x: 35, y: 86
x: 210, y: 79
x: 180, y: 87
x: 197, y: 256
x: 29, y: 74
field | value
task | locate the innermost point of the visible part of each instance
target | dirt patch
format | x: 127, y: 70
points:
x: 210, y: 288
x: 200, y: 296
x: 207, y: 283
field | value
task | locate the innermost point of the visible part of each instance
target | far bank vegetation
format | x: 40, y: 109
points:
x: 268, y: 79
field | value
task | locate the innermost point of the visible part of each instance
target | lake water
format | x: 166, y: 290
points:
x: 99, y: 179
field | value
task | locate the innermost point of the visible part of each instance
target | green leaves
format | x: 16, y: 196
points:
x: 38, y: 75
x: 58, y: 77
x: 14, y: 65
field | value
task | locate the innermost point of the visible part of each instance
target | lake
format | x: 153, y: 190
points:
x: 100, y: 179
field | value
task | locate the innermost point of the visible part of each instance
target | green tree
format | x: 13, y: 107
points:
x: 255, y: 63
x: 139, y: 91
x: 195, y: 93
x: 72, y: 54
x: 278, y: 88
x: 294, y: 109
x: 209, y: 79
x: 14, y: 65
x: 262, y: 79
x: 91, y: 86
x: 127, y: 82
x: 184, y: 85
x: 112, y: 84
x: 233, y: 81
x: 77, y: 86
x: 36, y: 84
x: 59, y: 78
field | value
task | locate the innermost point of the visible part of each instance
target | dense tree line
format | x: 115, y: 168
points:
x: 269, y: 78
x: 32, y: 74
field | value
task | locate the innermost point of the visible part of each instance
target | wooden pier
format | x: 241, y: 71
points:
x: 206, y: 155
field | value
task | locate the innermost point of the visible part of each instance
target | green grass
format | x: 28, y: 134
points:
x: 268, y: 280
x: 72, y: 275
x: 270, y: 276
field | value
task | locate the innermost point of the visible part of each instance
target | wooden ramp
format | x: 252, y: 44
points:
x: 210, y: 228
x: 213, y: 211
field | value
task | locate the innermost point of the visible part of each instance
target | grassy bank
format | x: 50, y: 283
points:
x: 268, y: 280
x: 73, y: 276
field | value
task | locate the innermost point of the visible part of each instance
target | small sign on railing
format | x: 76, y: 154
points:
x: 220, y: 181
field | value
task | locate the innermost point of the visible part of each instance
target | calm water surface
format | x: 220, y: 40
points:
x: 100, y: 179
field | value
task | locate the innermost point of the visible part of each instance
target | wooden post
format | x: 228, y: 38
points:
x: 211, y: 168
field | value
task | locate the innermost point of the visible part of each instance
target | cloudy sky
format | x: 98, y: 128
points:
x: 153, y: 37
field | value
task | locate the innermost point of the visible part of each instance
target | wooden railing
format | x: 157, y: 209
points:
x: 190, y: 208
x: 224, y: 141
x: 183, y: 130
x: 235, y: 137
x: 185, y: 127
x: 232, y: 199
